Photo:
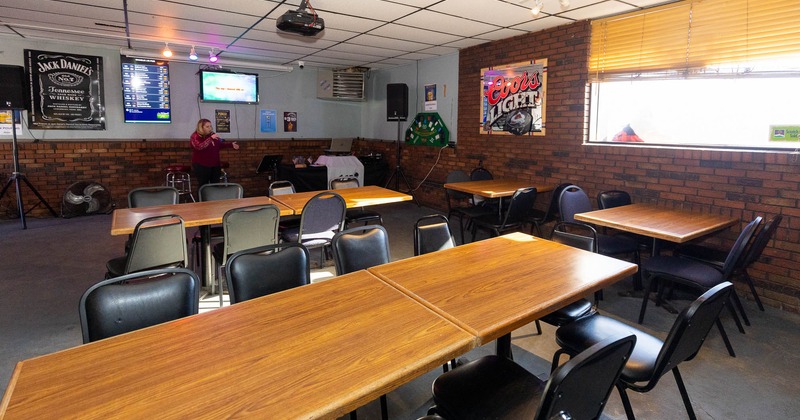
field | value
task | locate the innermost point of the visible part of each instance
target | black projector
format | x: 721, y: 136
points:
x: 301, y: 22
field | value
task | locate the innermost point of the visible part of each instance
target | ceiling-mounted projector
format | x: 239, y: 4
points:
x: 301, y: 22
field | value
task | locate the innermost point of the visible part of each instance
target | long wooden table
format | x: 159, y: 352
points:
x: 369, y: 195
x: 495, y: 286
x: 496, y: 188
x: 315, y: 351
x: 659, y: 223
x: 202, y: 214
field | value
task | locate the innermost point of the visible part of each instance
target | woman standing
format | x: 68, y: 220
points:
x: 206, y: 145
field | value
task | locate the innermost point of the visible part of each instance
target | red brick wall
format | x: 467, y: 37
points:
x: 742, y: 184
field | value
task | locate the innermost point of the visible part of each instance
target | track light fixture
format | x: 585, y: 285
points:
x: 212, y: 57
x: 564, y: 4
x: 167, y: 52
x: 193, y: 54
x: 537, y: 7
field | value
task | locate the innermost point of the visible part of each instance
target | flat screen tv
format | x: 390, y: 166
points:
x: 222, y: 86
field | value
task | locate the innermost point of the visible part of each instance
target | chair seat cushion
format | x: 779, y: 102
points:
x: 473, y: 211
x: 569, y: 313
x: 536, y: 216
x: 697, y: 272
x: 361, y: 215
x: 293, y: 234
x: 578, y: 336
x: 115, y: 267
x: 708, y: 255
x: 491, y: 387
x: 612, y: 245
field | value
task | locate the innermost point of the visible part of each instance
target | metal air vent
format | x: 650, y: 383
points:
x: 343, y: 84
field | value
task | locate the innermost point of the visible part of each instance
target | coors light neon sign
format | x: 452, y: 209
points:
x: 513, y: 99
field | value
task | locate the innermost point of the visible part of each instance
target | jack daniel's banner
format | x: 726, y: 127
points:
x: 66, y: 91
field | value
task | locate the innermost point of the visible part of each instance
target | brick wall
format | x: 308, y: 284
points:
x: 741, y: 184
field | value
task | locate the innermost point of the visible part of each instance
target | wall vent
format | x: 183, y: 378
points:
x: 342, y: 84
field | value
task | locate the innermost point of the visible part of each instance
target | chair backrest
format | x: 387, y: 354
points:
x: 323, y: 216
x: 573, y: 200
x: 480, y: 174
x: 689, y: 331
x: 157, y: 242
x: 280, y: 188
x: 123, y: 304
x: 152, y: 196
x: 521, y: 203
x: 250, y: 227
x: 360, y: 248
x: 432, y: 233
x: 267, y: 269
x: 576, y: 235
x: 220, y: 191
x: 613, y: 198
x: 456, y: 176
x: 760, y: 241
x: 582, y: 385
x: 733, y: 260
x: 552, y: 208
x: 345, y: 182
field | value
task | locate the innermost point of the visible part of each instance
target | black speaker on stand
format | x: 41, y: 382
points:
x: 397, y: 110
x: 12, y: 97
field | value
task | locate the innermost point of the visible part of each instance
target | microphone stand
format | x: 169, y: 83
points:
x: 18, y: 176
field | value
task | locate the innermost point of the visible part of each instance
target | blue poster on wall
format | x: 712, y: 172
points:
x: 268, y: 120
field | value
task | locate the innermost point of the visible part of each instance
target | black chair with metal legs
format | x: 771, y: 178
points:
x: 538, y: 218
x: 360, y: 214
x: 152, y: 196
x: 360, y: 248
x: 464, y: 212
x: 616, y: 198
x: 576, y: 235
x: 263, y: 270
x: 214, y: 192
x: 716, y: 256
x: 652, y: 358
x: 323, y: 216
x: 138, y: 300
x: 494, y: 387
x: 698, y: 275
x: 157, y: 242
x: 512, y: 219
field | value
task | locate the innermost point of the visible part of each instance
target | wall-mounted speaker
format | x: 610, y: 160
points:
x: 396, y: 102
x: 12, y: 88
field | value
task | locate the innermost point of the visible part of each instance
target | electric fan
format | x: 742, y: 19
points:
x: 84, y: 198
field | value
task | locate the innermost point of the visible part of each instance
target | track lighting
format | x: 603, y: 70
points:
x: 229, y: 62
x: 212, y: 57
x: 193, y: 54
x: 167, y: 52
x: 564, y: 4
x: 537, y: 7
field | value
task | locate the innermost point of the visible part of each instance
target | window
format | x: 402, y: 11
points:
x: 719, y: 73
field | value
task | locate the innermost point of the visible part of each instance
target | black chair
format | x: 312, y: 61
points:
x: 464, y: 212
x: 356, y: 215
x: 716, y: 256
x: 581, y: 236
x: 651, y: 357
x: 157, y: 242
x: 616, y: 198
x: 214, y: 192
x: 152, y: 196
x: 480, y: 174
x: 432, y: 233
x: 512, y: 219
x: 538, y: 218
x: 360, y: 248
x: 323, y: 216
x: 494, y: 387
x: 260, y: 271
x: 127, y: 303
x: 698, y: 275
x: 573, y: 200
x: 245, y: 228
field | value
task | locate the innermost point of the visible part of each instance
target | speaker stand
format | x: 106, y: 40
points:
x: 398, y: 173
x: 18, y: 176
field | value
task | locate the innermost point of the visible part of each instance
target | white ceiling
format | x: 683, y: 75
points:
x: 365, y: 33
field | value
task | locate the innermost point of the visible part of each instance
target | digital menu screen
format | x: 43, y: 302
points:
x: 145, y: 90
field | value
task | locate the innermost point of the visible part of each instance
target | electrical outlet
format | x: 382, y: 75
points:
x: 451, y: 144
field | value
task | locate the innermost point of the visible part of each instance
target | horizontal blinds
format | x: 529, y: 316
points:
x: 695, y: 34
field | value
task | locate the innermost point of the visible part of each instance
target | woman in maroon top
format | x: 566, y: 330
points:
x: 206, y: 145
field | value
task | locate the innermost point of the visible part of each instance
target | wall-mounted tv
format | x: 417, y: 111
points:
x: 145, y: 90
x: 223, y: 86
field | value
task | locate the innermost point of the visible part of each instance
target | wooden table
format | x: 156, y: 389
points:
x: 369, y: 195
x: 659, y: 223
x: 494, y: 286
x: 320, y: 350
x: 496, y: 188
x: 201, y: 214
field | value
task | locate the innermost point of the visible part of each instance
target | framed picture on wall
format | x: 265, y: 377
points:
x: 513, y: 98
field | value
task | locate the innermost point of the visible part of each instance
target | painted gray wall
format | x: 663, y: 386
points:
x: 441, y: 71
x: 295, y: 91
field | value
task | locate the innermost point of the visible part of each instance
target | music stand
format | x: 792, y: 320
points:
x: 18, y: 176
